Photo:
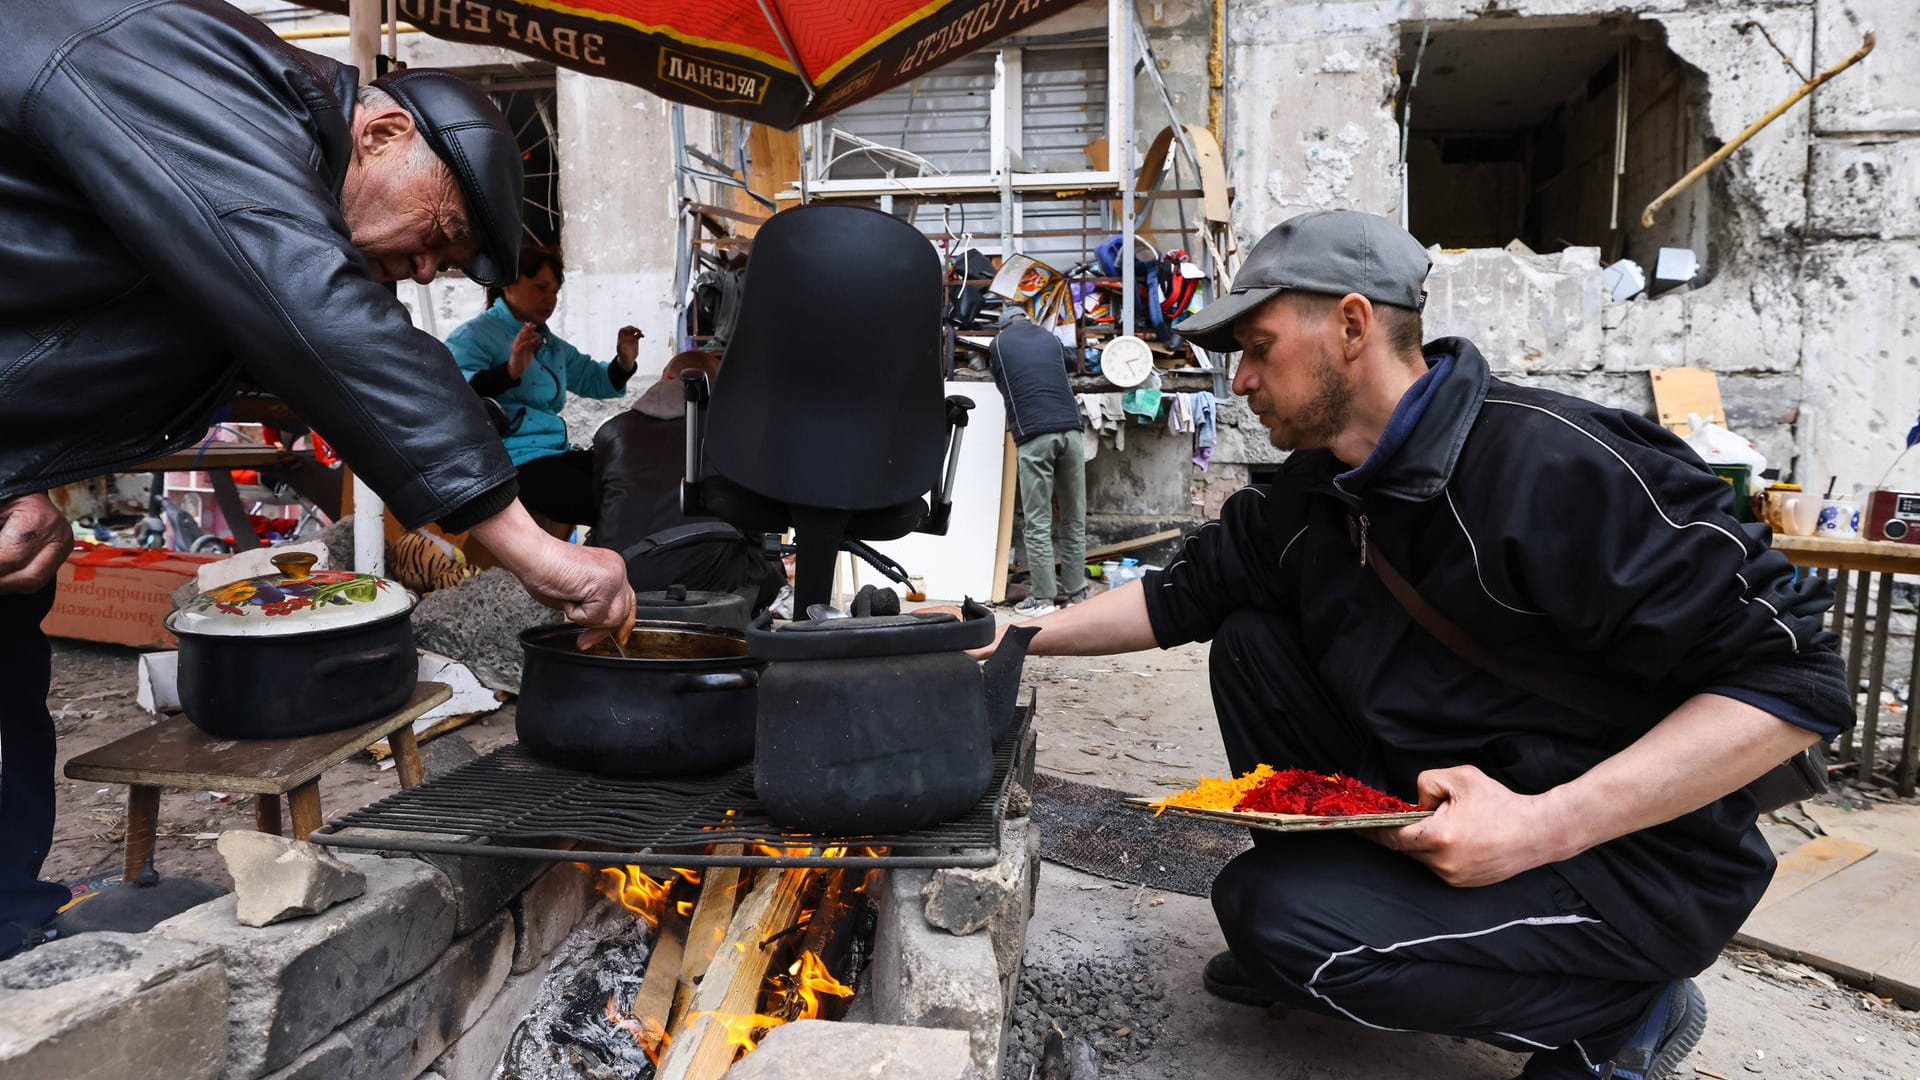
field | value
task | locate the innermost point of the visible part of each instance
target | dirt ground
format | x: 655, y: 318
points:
x: 1140, y: 722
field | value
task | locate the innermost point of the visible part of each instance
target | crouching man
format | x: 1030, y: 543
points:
x: 1593, y: 846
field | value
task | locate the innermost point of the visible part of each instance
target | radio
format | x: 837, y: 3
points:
x: 1894, y: 515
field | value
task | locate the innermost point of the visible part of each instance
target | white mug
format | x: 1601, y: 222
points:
x: 1839, y: 519
x: 1802, y: 514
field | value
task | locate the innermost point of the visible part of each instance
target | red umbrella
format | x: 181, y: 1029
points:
x: 779, y: 62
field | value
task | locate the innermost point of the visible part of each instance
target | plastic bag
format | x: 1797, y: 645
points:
x: 1718, y: 446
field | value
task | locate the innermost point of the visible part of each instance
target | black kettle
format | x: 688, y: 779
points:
x: 880, y: 724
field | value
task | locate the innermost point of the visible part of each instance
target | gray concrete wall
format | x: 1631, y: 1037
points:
x: 1809, y: 312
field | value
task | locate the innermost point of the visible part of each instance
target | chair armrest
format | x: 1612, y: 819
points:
x: 941, y: 510
x: 694, y: 383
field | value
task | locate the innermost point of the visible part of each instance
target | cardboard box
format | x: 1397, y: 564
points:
x: 120, y: 595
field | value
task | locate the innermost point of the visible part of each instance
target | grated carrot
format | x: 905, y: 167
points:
x: 1215, y: 793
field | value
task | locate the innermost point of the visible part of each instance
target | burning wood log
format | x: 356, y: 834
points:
x: 652, y: 1007
x: 712, y: 913
x: 724, y: 1010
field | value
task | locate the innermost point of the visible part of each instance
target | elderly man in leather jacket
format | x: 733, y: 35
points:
x: 1581, y: 863
x: 187, y: 198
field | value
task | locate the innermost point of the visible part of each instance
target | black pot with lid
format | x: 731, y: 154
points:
x: 876, y: 724
x: 679, y: 604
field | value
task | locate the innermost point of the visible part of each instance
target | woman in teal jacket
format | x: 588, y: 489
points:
x: 509, y: 355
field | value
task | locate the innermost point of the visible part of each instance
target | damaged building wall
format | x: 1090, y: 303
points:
x: 1808, y: 322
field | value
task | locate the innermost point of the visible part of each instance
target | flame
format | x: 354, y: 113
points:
x: 810, y: 979
x: 634, y: 890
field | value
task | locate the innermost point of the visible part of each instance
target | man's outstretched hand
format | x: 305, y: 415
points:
x: 1481, y: 831
x: 34, y: 538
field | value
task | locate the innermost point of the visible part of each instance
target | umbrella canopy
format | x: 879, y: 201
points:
x: 779, y: 62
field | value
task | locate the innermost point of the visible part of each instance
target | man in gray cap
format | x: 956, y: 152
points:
x: 1526, y: 612
x: 189, y: 200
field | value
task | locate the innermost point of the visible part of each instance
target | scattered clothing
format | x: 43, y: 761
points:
x: 1142, y: 403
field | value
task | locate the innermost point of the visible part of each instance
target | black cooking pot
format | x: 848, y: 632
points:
x: 876, y: 725
x: 679, y: 604
x: 680, y: 701
x: 296, y: 653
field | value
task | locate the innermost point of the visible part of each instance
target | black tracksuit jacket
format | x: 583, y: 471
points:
x: 1562, y: 534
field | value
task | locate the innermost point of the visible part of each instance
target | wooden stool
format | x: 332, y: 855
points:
x: 175, y: 754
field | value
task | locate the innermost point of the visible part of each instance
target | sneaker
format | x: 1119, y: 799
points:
x: 1666, y: 1035
x: 1225, y: 979
x: 1085, y: 594
x: 1033, y: 607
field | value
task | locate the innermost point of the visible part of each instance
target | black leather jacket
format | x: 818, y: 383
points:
x: 1560, y: 534
x: 170, y: 176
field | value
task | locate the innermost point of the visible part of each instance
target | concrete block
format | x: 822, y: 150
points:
x: 1882, y: 93
x: 291, y: 984
x: 276, y: 878
x: 1865, y: 189
x: 998, y: 898
x: 481, y: 885
x: 406, y: 1031
x: 1750, y: 322
x: 1527, y: 313
x: 476, y: 1053
x: 1645, y: 334
x: 548, y: 910
x: 858, y: 1052
x: 925, y: 977
x: 111, y: 1004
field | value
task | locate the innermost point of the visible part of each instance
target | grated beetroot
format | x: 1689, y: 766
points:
x: 1299, y: 791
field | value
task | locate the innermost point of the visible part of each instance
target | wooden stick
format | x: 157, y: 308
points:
x: 143, y: 825
x: 653, y: 1006
x: 1720, y: 155
x: 732, y: 984
x: 712, y: 913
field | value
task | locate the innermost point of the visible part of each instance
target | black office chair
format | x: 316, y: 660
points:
x: 829, y: 415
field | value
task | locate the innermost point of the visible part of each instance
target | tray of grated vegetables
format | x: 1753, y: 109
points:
x: 1287, y: 800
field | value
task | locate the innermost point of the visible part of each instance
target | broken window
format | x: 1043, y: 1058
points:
x: 526, y: 96
x: 1553, y: 136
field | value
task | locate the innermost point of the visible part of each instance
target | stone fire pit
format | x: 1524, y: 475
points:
x: 429, y: 973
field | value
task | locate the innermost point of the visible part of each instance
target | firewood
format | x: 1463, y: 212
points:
x: 732, y: 983
x: 712, y: 912
x: 653, y: 1005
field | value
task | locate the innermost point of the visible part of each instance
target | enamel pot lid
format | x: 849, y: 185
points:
x: 297, y: 600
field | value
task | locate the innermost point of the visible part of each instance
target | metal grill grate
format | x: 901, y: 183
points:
x: 511, y: 804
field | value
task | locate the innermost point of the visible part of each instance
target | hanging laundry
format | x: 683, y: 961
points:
x: 1179, y: 413
x: 1143, y: 403
x: 1204, y: 430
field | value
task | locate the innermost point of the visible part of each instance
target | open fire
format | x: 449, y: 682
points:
x: 733, y: 955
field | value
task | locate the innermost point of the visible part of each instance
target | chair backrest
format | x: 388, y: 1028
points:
x: 831, y: 394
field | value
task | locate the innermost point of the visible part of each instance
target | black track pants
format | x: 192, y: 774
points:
x: 1343, y: 926
x: 26, y: 768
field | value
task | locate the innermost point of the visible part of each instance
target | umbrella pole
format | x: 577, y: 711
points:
x: 369, y: 513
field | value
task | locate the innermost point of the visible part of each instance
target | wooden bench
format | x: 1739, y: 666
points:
x: 175, y: 754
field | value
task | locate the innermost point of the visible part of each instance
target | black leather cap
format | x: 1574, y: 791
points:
x: 467, y: 130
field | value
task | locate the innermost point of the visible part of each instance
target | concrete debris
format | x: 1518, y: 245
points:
x: 275, y: 878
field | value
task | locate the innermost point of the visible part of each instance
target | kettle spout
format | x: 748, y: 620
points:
x: 1001, y: 674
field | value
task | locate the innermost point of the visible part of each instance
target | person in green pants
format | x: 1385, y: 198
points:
x: 1030, y: 366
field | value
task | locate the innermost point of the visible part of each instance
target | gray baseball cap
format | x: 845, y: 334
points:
x: 1327, y: 251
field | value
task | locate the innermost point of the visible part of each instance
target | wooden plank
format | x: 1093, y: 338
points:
x: 712, y: 913
x: 1255, y: 819
x: 1003, y: 538
x: 217, y: 457
x: 1855, y: 923
x: 1809, y: 864
x: 175, y: 754
x: 731, y: 986
x: 1120, y: 547
x: 1879, y: 556
x: 652, y: 1007
x: 1679, y: 391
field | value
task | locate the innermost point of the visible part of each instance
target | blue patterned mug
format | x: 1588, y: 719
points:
x: 1839, y: 519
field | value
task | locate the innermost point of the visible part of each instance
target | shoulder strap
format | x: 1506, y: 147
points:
x: 1583, y: 694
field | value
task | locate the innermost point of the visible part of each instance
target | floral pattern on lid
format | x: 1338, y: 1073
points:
x: 298, y: 600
